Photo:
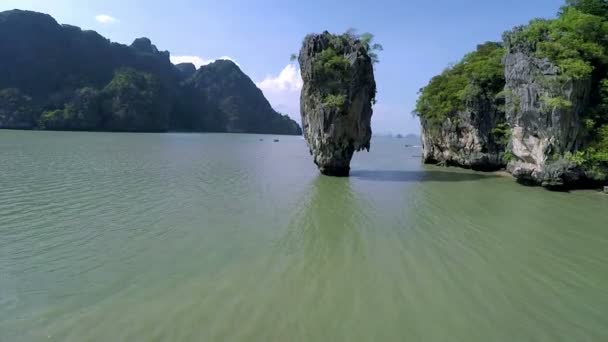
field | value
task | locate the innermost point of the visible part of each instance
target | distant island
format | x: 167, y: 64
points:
x: 535, y: 103
x: 59, y: 77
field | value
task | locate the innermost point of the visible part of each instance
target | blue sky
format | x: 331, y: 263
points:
x: 420, y: 38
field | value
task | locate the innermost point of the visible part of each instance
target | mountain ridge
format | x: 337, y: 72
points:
x: 60, y: 77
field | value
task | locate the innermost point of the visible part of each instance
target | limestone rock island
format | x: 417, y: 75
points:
x: 535, y: 104
x: 337, y: 96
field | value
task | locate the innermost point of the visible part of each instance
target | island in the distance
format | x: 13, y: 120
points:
x: 59, y: 77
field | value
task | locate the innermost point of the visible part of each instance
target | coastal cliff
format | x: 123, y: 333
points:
x: 545, y: 117
x: 336, y: 100
x: 462, y: 113
x: 60, y: 77
x: 544, y: 110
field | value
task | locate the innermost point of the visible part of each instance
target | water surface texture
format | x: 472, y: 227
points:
x: 212, y: 237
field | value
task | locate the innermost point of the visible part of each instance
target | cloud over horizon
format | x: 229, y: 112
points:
x: 199, y: 61
x: 283, y: 90
x: 105, y: 19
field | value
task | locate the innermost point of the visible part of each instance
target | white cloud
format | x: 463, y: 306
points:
x: 105, y: 19
x: 283, y: 91
x: 198, y: 61
x: 288, y: 80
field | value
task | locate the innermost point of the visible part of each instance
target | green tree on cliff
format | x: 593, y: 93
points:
x: 137, y: 100
x: 16, y: 108
x: 367, y: 39
x: 480, y: 73
x: 594, y: 7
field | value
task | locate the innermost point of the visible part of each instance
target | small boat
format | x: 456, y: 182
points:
x: 276, y: 140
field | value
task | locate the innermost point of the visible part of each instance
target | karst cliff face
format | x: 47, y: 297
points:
x: 544, y: 114
x: 462, y: 112
x: 465, y: 139
x: 505, y: 105
x: 59, y: 77
x: 336, y: 100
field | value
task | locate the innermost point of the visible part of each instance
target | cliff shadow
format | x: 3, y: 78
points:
x: 419, y: 176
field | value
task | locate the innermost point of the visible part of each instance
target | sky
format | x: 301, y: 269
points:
x: 420, y: 38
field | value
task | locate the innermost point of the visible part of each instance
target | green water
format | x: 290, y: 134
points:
x: 194, y: 237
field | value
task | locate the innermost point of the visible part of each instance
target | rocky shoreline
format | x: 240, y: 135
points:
x: 519, y: 105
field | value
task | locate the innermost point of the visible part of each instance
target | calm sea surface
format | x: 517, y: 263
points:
x: 212, y: 237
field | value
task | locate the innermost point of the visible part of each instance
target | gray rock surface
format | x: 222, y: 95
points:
x: 334, y: 133
x: 542, y: 133
x: 466, y: 140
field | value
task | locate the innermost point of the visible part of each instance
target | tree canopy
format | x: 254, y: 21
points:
x: 594, y: 7
x: 479, y: 73
x: 367, y: 39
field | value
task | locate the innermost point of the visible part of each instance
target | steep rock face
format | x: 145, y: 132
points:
x: 544, y: 114
x: 51, y: 65
x: 462, y: 114
x: 61, y: 77
x: 465, y: 139
x: 336, y: 99
x: 220, y: 97
x: 44, y: 59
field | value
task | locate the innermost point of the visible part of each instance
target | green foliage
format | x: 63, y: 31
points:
x: 480, y: 73
x: 61, y: 77
x: 501, y: 134
x: 332, y: 74
x: 220, y: 97
x: 594, y: 159
x: 575, y: 41
x: 577, y: 158
x: 555, y: 102
x: 367, y: 39
x: 334, y: 101
x: 136, y: 100
x: 81, y: 112
x: 54, y: 119
x: 508, y: 156
x: 372, y: 48
x: 594, y: 7
x: 331, y: 66
x: 331, y: 69
x: 16, y: 109
x: 14, y: 98
x: 589, y: 123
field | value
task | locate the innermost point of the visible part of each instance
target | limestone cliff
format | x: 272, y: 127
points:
x: 336, y: 100
x: 462, y: 113
x: 544, y: 112
x: 466, y: 139
x: 60, y: 77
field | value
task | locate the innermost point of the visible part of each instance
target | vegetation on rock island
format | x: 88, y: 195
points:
x: 479, y: 74
x: 60, y: 77
x: 575, y: 43
x: 331, y: 66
